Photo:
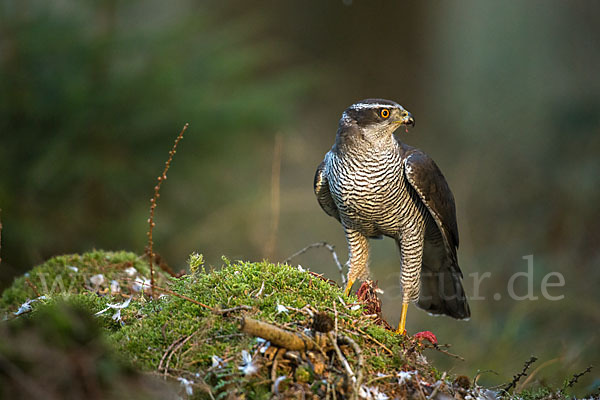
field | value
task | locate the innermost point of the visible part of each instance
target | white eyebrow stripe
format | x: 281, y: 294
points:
x: 361, y: 106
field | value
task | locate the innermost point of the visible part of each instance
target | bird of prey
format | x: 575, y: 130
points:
x: 376, y: 186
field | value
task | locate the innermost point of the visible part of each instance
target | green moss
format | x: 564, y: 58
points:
x: 71, y: 274
x: 171, y: 333
x: 170, y: 318
x: 539, y: 393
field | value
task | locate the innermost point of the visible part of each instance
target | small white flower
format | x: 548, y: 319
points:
x: 300, y: 268
x: 26, y: 307
x: 130, y: 271
x: 189, y: 390
x: 114, y: 287
x: 97, y: 280
x: 282, y: 309
x: 248, y: 367
x: 355, y: 307
x: 72, y: 268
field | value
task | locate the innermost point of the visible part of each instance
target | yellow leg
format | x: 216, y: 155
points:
x: 402, y: 324
x: 348, y: 287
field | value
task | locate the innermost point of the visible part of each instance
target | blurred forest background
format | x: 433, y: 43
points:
x: 506, y: 97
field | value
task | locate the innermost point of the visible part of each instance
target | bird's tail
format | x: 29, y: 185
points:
x: 442, y: 291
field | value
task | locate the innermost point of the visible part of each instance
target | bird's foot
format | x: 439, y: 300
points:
x: 348, y: 287
x: 401, y: 326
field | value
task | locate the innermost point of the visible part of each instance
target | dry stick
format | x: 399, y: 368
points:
x: 275, y: 197
x: 0, y: 236
x: 372, y: 339
x: 164, y: 357
x: 328, y: 247
x: 154, y: 202
x: 278, y: 336
x: 343, y: 339
x: 232, y: 309
x: 420, y: 389
x: 181, y: 296
x: 344, y: 362
x: 274, y: 386
x: 32, y: 286
x: 176, y: 348
x: 446, y: 352
x: 520, y: 374
x: 437, y: 387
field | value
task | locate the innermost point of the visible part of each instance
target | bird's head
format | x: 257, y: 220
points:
x: 375, y: 119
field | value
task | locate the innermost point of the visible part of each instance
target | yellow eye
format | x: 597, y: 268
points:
x: 384, y: 113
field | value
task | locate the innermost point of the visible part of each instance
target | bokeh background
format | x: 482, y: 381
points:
x: 506, y: 96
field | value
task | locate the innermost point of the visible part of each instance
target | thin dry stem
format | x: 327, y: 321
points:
x: 521, y: 374
x: 32, y: 286
x: 0, y: 236
x: 154, y: 202
x: 328, y: 247
x: 275, y: 196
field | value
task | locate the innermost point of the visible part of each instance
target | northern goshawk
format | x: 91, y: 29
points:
x: 376, y: 186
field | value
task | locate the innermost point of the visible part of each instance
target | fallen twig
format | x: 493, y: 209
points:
x: 280, y: 337
x: 343, y: 339
x: 230, y: 310
x: 437, y: 386
x: 328, y: 247
x: 446, y: 352
x: 351, y: 376
x: 169, y: 291
x: 371, y: 338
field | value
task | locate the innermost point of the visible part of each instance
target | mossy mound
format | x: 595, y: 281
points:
x: 183, y: 334
x: 92, y: 272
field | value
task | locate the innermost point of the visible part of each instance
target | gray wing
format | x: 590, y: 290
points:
x: 428, y: 181
x: 321, y: 187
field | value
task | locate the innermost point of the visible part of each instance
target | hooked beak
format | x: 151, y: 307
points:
x: 407, y: 119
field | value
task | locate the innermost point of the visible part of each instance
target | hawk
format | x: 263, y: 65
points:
x: 377, y: 186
